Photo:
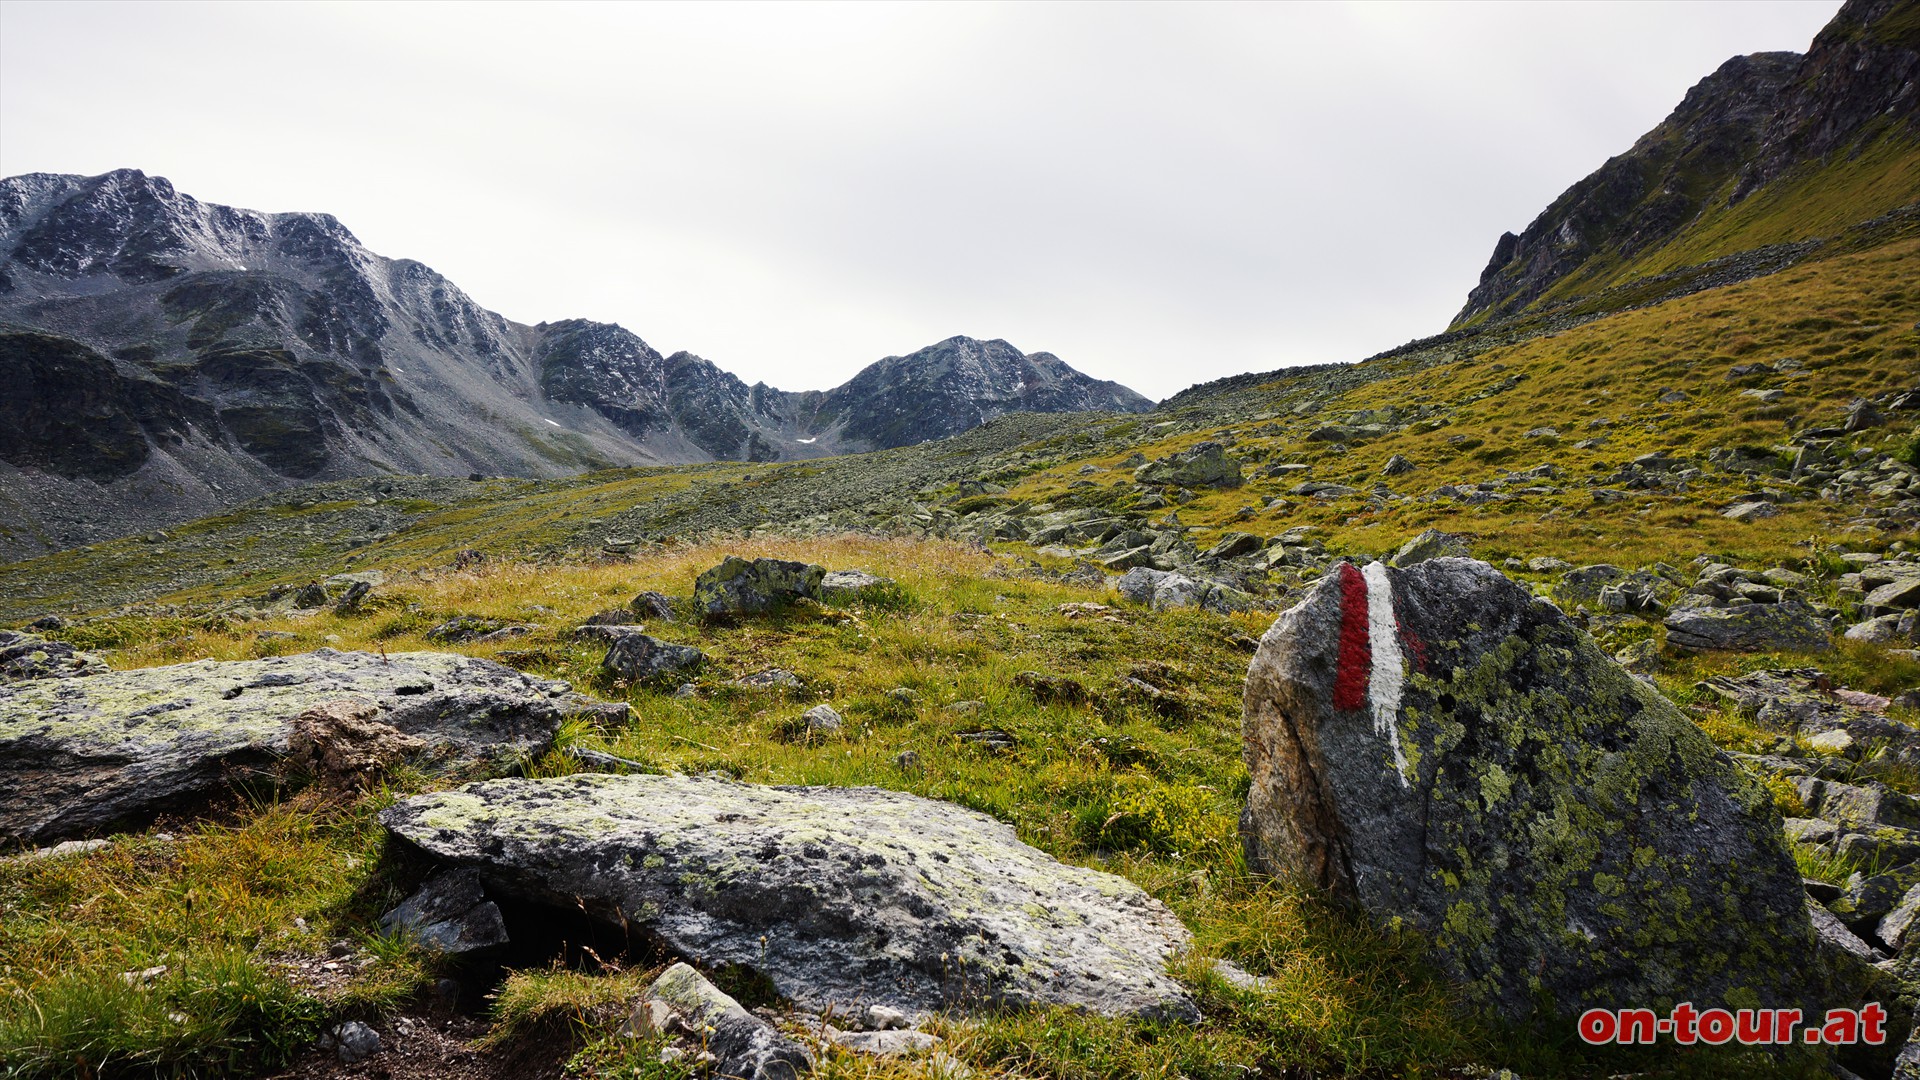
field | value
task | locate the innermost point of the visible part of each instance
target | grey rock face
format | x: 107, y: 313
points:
x: 1436, y: 745
x: 740, y: 587
x: 1789, y: 624
x: 837, y: 895
x: 742, y: 1044
x: 451, y: 914
x: 642, y: 658
x: 30, y: 656
x: 78, y: 756
x: 1203, y: 464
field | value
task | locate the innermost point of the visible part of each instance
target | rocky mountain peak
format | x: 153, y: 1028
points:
x: 165, y: 357
x: 1776, y: 117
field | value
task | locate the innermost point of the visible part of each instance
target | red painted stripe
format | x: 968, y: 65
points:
x: 1356, y: 654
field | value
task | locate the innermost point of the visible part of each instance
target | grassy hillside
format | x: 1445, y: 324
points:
x: 1817, y: 200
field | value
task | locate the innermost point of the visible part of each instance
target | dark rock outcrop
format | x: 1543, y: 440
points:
x: 839, y: 896
x: 1437, y: 746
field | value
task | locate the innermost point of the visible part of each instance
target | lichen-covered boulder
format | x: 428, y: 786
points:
x: 741, y: 587
x: 30, y: 656
x: 1789, y: 624
x: 1455, y: 756
x: 839, y: 896
x: 1203, y: 464
x: 80, y: 756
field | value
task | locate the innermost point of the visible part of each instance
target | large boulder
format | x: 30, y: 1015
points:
x: 80, y: 756
x: 1455, y: 756
x: 1200, y: 465
x: 741, y: 587
x: 1789, y: 624
x: 839, y: 896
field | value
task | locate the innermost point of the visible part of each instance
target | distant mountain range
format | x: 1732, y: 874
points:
x: 1771, y: 150
x: 161, y: 358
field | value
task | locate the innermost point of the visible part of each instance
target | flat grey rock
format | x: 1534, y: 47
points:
x: 839, y: 896
x: 81, y: 756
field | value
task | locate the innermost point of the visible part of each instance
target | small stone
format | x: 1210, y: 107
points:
x: 653, y: 605
x: 906, y: 759
x: 771, y: 679
x: 649, y: 1017
x: 841, y: 586
x: 742, y: 1044
x: 1431, y: 544
x: 883, y: 1018
x: 1831, y: 742
x: 355, y: 1042
x: 639, y: 657
x: 821, y: 719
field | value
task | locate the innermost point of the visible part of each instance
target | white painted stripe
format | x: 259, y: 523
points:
x: 1388, y: 676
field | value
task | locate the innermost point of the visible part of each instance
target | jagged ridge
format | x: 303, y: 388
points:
x: 163, y: 357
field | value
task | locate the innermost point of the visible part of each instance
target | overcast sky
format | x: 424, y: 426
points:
x: 1159, y: 194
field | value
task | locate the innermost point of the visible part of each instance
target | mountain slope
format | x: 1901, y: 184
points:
x: 163, y: 358
x: 1771, y: 149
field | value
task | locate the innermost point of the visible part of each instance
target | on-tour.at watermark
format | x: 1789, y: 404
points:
x: 1688, y: 1026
